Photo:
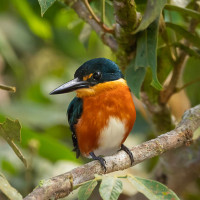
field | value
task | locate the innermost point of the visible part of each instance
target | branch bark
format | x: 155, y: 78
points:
x: 84, y: 13
x: 119, y: 39
x: 126, y: 19
x: 103, y: 26
x: 182, y: 164
x: 62, y: 185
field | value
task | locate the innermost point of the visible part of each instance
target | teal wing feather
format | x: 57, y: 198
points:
x: 74, y: 113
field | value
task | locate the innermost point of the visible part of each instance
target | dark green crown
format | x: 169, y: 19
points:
x: 103, y: 70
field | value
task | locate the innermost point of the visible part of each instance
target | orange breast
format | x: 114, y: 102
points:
x: 97, y: 109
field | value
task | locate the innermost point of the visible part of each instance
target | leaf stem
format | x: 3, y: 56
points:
x: 99, y: 178
x: 125, y: 176
x: 187, y: 84
x: 103, y: 26
x: 103, y: 11
x: 18, y: 152
x: 185, y: 11
x: 14, y: 147
x: 8, y: 88
x: 180, y: 62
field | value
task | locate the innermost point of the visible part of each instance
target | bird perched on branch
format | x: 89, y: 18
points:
x: 102, y: 114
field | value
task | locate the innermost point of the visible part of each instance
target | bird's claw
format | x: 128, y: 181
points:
x: 124, y: 148
x: 100, y: 159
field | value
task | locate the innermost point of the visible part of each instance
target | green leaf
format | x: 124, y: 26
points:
x: 110, y: 188
x: 153, y: 190
x: 141, y: 59
x: 195, y: 40
x: 8, y: 190
x: 9, y: 54
x: 191, y: 73
x: 191, y: 52
x: 135, y: 79
x: 146, y: 56
x: 46, y: 146
x: 9, y: 167
x: 38, y: 26
x: 11, y: 131
x: 45, y: 4
x: 85, y: 35
x: 153, y: 10
x: 184, y: 11
x: 152, y: 37
x: 86, y: 190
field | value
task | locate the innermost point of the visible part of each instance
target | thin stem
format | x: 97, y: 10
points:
x: 14, y: 147
x: 98, y: 178
x: 91, y: 11
x: 174, y: 38
x: 79, y: 185
x: 103, y: 11
x: 103, y: 26
x: 8, y: 88
x: 171, y: 88
x: 178, y: 67
x: 125, y: 176
x: 18, y: 152
x: 188, y: 84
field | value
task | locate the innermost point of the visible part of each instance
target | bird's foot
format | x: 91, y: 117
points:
x: 77, y: 150
x: 124, y: 148
x: 100, y: 159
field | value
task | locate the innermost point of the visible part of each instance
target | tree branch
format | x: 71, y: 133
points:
x: 62, y: 185
x: 104, y: 27
x: 120, y: 39
x: 179, y: 64
x: 171, y: 88
x: 84, y: 13
x: 126, y: 19
x: 182, y: 164
x: 188, y: 84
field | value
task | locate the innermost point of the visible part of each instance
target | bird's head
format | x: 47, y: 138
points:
x: 94, y: 75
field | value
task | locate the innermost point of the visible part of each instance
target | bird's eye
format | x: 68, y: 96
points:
x: 96, y: 76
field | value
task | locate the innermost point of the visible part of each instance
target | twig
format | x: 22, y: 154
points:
x: 104, y: 27
x: 103, y: 11
x: 63, y: 184
x: 17, y: 152
x: 187, y: 84
x: 171, y: 88
x: 178, y: 66
x: 82, y: 10
x: 185, y: 11
x: 8, y: 88
x: 14, y: 147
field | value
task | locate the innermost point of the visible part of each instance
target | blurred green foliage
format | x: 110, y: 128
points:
x: 36, y: 55
x: 39, y: 53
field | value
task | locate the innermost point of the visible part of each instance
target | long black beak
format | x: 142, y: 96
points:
x: 71, y: 86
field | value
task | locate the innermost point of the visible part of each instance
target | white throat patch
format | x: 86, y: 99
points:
x: 111, y: 137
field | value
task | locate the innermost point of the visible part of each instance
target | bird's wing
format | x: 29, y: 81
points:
x: 74, y: 113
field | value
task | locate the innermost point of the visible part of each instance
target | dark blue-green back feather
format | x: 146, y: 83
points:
x: 74, y: 112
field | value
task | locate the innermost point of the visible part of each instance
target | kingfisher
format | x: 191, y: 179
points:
x: 102, y: 114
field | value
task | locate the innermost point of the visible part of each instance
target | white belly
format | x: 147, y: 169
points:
x: 111, y: 137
